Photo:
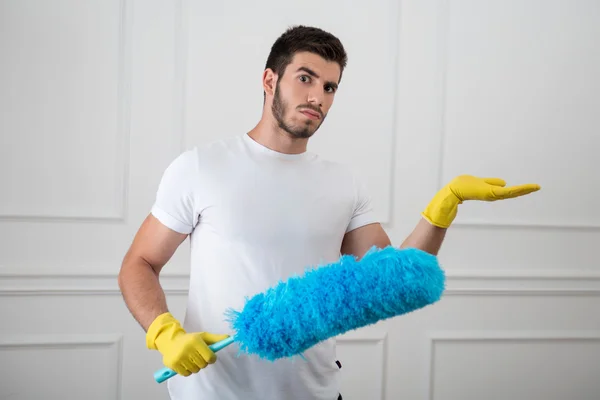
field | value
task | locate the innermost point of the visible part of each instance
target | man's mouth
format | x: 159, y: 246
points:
x: 311, y: 114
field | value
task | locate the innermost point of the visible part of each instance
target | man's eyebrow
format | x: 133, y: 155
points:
x: 308, y: 71
x: 314, y: 74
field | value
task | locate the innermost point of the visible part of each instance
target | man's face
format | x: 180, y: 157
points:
x: 304, y: 94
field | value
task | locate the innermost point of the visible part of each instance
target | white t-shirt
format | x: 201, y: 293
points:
x: 256, y: 216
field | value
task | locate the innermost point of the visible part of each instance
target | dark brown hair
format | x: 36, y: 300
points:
x: 305, y: 38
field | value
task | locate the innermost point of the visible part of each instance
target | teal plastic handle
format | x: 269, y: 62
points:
x: 165, y: 373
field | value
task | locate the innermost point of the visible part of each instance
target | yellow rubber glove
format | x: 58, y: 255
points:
x: 185, y: 353
x: 442, y: 209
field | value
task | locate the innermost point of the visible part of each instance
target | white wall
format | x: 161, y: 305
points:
x: 96, y: 98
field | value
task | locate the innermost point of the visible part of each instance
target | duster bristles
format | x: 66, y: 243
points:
x: 330, y: 300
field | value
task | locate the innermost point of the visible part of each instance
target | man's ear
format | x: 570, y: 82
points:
x: 269, y: 81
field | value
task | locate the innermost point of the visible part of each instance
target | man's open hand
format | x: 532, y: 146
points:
x: 442, y: 209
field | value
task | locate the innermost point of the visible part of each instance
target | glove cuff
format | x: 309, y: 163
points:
x: 442, y: 209
x: 165, y: 325
x: 433, y: 222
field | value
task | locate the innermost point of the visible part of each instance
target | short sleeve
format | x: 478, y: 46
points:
x: 175, y: 205
x: 363, y: 213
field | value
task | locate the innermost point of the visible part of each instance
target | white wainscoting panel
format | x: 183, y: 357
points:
x: 516, y: 101
x: 516, y: 365
x: 60, y: 366
x: 81, y: 103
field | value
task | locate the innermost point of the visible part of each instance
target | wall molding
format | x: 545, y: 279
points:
x: 363, y: 336
x: 62, y: 340
x: 72, y: 284
x: 523, y: 282
x: 459, y: 283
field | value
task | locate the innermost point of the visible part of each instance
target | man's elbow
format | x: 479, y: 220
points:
x: 129, y: 265
x: 122, y: 276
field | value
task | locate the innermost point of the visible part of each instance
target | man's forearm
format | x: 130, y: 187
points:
x: 426, y: 237
x: 142, y: 292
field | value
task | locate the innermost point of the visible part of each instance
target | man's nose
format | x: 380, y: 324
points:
x: 316, y: 98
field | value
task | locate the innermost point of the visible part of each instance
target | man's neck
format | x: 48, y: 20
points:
x: 271, y: 136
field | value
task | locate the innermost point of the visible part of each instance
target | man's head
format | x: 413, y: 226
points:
x: 301, y: 77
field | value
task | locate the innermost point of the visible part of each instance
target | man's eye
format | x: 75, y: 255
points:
x: 304, y: 78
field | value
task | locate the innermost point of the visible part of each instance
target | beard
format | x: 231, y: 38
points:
x: 300, y: 131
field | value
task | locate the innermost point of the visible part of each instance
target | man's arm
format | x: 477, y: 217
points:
x: 439, y: 214
x: 425, y: 237
x: 358, y: 241
x: 152, y: 247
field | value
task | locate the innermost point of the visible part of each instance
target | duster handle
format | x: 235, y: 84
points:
x: 165, y: 373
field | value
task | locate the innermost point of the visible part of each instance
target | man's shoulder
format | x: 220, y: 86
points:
x: 198, y: 157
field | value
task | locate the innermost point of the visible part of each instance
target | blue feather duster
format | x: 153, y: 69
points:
x: 330, y: 300
x: 335, y: 298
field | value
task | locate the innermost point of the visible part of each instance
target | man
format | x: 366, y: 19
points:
x: 258, y: 208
